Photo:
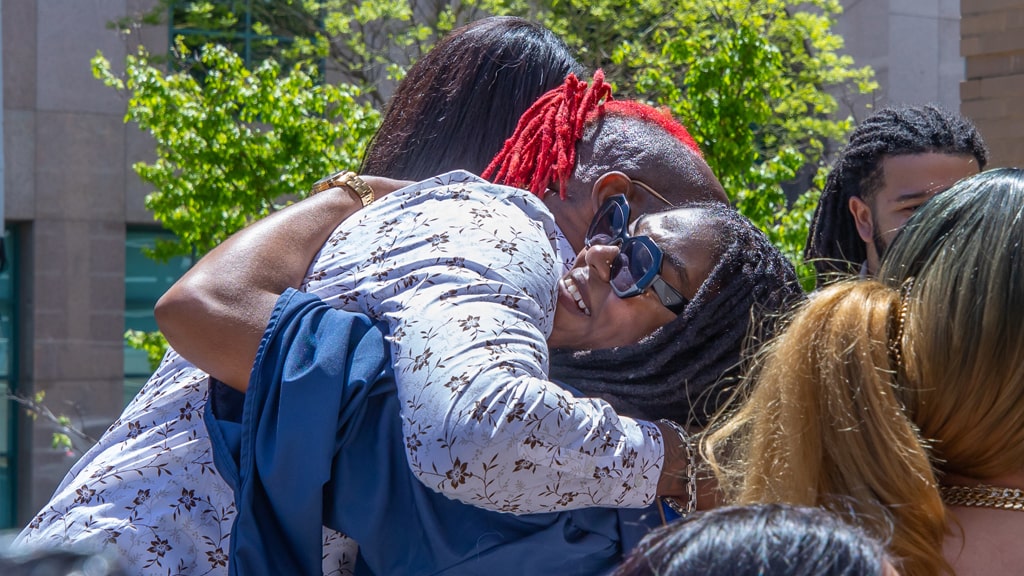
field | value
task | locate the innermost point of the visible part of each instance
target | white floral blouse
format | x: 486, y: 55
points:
x: 463, y: 272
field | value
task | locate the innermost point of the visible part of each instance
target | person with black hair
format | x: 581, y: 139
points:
x: 457, y: 269
x: 464, y: 273
x: 170, y: 507
x: 896, y: 160
x: 759, y: 540
x: 319, y: 439
x: 486, y: 74
x: 522, y: 236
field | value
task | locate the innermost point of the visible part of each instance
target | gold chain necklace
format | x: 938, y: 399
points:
x: 983, y: 496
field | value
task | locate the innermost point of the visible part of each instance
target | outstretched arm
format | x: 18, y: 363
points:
x: 215, y: 315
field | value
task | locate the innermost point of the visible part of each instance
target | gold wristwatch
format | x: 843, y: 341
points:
x: 347, y: 179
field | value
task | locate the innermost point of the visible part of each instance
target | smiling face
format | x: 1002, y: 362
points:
x: 590, y: 315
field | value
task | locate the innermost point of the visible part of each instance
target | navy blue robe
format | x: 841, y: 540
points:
x: 317, y: 440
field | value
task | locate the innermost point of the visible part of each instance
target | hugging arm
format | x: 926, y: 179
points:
x: 215, y: 315
x: 482, y: 423
x: 466, y: 282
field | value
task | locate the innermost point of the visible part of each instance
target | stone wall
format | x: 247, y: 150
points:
x: 913, y: 47
x: 992, y: 42
x: 69, y: 194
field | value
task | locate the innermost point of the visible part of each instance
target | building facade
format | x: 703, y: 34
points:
x: 913, y: 46
x: 993, y: 91
x: 70, y: 200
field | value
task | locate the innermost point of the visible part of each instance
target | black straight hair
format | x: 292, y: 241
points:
x: 757, y: 540
x: 458, y: 104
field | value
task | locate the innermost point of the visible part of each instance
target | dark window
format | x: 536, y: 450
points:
x: 145, y: 280
x: 253, y: 29
x: 8, y: 409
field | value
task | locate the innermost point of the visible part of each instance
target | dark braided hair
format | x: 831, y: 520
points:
x: 833, y: 245
x: 576, y: 132
x: 459, y: 103
x: 686, y: 369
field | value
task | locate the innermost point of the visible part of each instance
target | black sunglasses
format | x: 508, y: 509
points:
x: 638, y: 264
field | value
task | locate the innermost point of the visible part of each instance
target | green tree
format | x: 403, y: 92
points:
x: 232, y: 146
x: 235, y: 145
x: 756, y: 81
x: 370, y: 43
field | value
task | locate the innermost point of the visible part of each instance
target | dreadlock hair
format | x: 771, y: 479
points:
x: 576, y: 132
x: 459, y: 103
x: 685, y: 370
x: 833, y: 245
x: 543, y: 147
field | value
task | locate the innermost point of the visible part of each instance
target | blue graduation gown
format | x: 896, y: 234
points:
x: 317, y: 440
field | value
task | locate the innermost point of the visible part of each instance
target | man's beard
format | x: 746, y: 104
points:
x: 876, y: 239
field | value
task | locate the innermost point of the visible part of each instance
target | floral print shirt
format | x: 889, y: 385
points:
x: 464, y: 274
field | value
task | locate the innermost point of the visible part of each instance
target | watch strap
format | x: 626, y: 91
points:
x: 347, y: 179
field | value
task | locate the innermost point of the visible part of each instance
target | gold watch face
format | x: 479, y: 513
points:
x: 325, y: 183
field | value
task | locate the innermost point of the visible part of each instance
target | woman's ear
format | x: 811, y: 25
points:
x: 608, y: 185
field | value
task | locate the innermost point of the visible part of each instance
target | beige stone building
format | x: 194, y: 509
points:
x: 74, y: 216
x: 993, y: 92
x: 965, y: 55
x: 71, y: 203
x: 913, y: 46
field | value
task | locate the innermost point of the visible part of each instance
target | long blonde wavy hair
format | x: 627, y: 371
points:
x: 831, y: 418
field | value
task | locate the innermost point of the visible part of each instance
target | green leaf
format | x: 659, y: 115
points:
x: 61, y: 441
x: 152, y: 343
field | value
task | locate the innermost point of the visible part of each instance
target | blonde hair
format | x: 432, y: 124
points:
x: 824, y: 425
x: 832, y: 419
x: 965, y: 323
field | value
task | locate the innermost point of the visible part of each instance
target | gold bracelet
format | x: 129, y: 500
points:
x: 675, y: 506
x: 691, y: 472
x: 347, y: 179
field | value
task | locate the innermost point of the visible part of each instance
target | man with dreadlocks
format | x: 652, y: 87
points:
x: 463, y: 273
x: 895, y: 161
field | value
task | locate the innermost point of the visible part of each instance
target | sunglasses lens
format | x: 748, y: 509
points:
x: 632, y: 264
x: 608, y: 226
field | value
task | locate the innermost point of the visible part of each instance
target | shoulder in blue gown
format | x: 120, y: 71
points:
x: 317, y: 440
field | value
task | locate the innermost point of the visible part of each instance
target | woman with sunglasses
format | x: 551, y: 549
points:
x: 664, y: 341
x: 637, y: 297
